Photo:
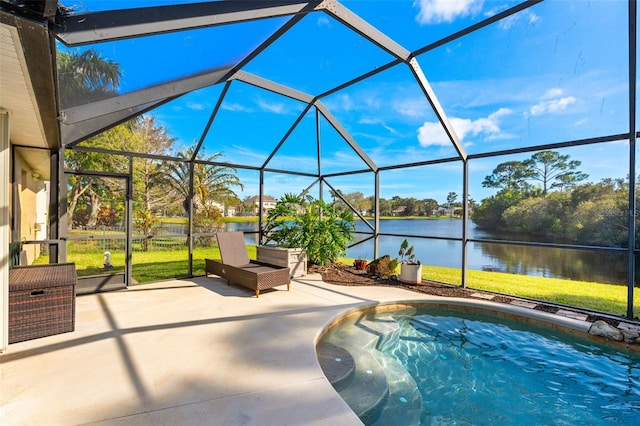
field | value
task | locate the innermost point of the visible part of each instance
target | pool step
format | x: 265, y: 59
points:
x: 368, y: 391
x: 404, y: 404
x: 337, y: 364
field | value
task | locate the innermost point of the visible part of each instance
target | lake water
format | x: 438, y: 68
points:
x: 536, y: 261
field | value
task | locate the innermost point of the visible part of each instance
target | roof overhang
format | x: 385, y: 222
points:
x: 27, y: 80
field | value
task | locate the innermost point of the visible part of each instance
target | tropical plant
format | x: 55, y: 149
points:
x: 86, y: 77
x: 323, y: 230
x: 406, y: 254
x: 211, y: 183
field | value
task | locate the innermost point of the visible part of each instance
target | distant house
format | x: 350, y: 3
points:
x: 398, y: 210
x: 443, y: 211
x: 253, y: 203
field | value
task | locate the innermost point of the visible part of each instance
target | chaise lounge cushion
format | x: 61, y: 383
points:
x: 236, y: 267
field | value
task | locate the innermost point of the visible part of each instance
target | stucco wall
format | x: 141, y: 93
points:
x: 28, y: 220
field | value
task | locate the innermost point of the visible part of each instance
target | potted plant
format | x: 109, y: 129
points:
x: 410, y: 267
x: 323, y: 230
x: 360, y: 264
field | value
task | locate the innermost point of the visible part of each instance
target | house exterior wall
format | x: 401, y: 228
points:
x: 29, y: 222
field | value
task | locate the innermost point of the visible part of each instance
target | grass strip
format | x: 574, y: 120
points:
x: 591, y: 295
x: 159, y: 265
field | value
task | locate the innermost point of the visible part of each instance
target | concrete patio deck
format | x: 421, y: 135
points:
x: 188, y: 352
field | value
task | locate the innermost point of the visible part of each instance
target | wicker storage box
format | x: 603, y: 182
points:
x: 42, y: 301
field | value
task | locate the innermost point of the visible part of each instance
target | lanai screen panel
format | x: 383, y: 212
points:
x: 185, y: 118
x: 299, y: 151
x: 147, y: 61
x: 387, y: 115
x: 336, y: 154
x: 250, y: 180
x: 358, y: 190
x: 182, y: 121
x: 590, y: 210
x: 552, y: 73
x: 276, y: 184
x: 250, y: 123
x: 431, y: 190
x: 317, y: 54
x: 415, y: 24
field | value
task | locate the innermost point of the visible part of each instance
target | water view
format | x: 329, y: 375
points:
x: 536, y: 261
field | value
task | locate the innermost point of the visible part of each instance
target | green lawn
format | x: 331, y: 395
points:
x: 147, y: 266
x: 602, y: 297
x: 228, y: 219
x: 592, y: 295
x: 167, y: 264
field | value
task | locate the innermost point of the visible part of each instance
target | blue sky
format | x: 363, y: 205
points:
x: 554, y: 72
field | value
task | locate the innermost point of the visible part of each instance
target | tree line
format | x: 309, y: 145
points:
x: 398, y: 206
x: 547, y: 196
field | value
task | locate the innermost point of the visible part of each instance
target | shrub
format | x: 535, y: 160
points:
x: 323, y: 230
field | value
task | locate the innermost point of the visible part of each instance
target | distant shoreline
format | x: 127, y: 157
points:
x: 254, y: 219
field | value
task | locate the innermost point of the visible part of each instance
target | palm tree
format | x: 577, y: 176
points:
x: 85, y: 77
x: 210, y: 182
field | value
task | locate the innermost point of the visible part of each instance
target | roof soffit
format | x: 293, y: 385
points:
x: 27, y: 80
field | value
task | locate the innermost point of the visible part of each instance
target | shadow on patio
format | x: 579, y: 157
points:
x: 191, y: 351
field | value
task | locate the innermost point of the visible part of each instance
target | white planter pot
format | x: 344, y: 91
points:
x: 410, y: 274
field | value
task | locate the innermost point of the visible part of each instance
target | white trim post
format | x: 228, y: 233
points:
x: 5, y: 183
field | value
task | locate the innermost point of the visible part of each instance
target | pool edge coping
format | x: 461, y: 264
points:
x: 547, y: 319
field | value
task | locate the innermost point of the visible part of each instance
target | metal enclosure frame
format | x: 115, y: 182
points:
x: 79, y: 123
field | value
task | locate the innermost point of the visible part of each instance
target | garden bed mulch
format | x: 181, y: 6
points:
x: 349, y: 276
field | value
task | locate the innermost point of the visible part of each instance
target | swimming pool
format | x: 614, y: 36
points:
x: 453, y: 367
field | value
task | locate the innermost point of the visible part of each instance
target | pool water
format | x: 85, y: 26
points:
x: 473, y: 369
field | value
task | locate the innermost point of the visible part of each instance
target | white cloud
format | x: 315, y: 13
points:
x: 323, y: 21
x: 277, y: 107
x: 510, y: 21
x: 533, y: 18
x: 234, y: 107
x: 552, y: 93
x: 436, y: 11
x: 371, y: 100
x: 370, y: 120
x: 378, y: 121
x: 551, y: 102
x: 416, y: 107
x: 341, y: 102
x: 195, y: 106
x: 432, y: 133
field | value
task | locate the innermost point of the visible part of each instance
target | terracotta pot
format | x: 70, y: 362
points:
x: 360, y: 264
x: 410, y: 273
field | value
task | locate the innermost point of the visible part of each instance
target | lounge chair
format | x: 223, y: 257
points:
x: 236, y: 267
